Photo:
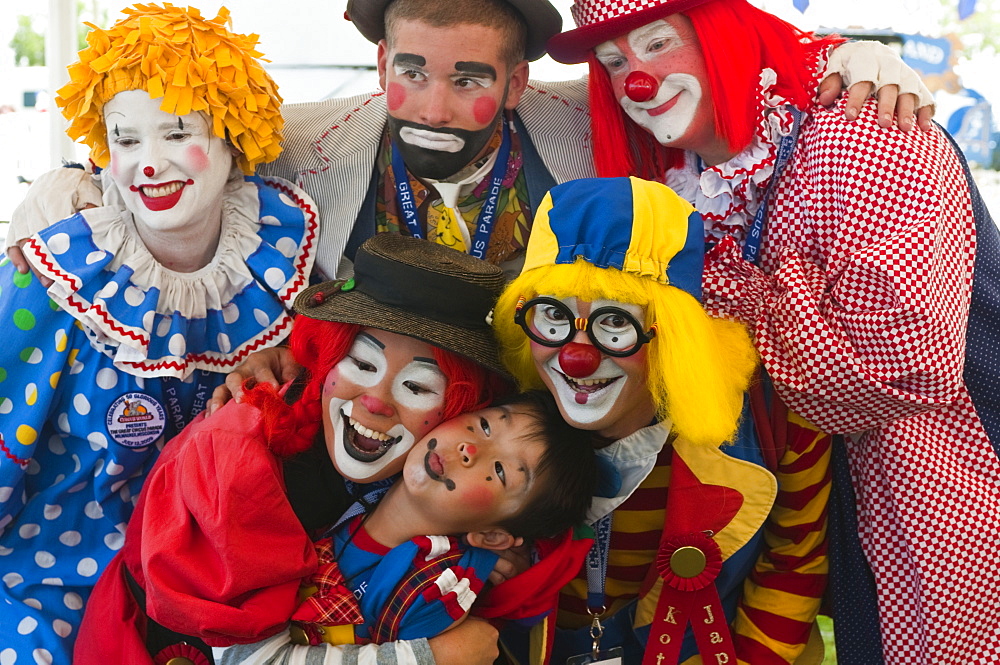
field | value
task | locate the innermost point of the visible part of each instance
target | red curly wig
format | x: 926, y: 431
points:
x: 318, y: 346
x: 738, y: 42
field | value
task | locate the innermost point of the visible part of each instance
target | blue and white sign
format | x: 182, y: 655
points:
x: 927, y: 55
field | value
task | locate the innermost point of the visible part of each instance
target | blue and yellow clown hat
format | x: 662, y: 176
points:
x: 637, y: 226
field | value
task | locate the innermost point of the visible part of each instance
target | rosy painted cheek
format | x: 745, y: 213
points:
x: 477, y: 499
x: 484, y: 110
x: 197, y: 158
x: 395, y: 95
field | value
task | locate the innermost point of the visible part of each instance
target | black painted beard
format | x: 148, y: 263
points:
x: 437, y: 163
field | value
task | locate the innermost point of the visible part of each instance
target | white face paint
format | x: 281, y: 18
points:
x: 384, y: 395
x: 659, y: 50
x: 429, y: 140
x: 170, y: 170
x: 613, y: 394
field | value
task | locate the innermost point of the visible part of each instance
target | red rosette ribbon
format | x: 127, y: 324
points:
x: 180, y: 654
x: 678, y: 546
x: 689, y: 564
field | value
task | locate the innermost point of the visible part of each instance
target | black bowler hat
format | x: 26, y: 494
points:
x: 541, y: 18
x: 419, y: 289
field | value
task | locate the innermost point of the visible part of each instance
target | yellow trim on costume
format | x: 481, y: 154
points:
x: 538, y: 641
x: 757, y: 485
x: 335, y: 635
x: 713, y: 467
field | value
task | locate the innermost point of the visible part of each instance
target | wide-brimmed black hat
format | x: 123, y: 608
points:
x: 419, y: 289
x: 541, y: 18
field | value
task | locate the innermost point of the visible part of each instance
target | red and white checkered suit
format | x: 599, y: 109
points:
x: 859, y: 313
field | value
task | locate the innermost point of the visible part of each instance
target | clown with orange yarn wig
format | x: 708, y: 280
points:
x: 864, y: 262
x: 186, y: 266
x: 697, y: 552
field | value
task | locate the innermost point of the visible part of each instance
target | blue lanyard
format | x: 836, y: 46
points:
x: 751, y: 247
x: 487, y: 214
x: 175, y: 409
x: 597, y: 564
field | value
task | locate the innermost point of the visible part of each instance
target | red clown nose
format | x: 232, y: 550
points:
x: 640, y: 86
x: 579, y: 360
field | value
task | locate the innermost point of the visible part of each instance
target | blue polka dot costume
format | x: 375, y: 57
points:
x: 102, y: 368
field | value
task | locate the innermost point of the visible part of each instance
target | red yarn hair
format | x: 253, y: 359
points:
x: 738, y: 41
x: 318, y: 346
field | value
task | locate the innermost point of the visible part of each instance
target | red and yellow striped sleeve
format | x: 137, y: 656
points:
x: 781, y: 598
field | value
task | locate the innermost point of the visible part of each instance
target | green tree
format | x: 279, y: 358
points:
x: 980, y: 33
x: 28, y: 44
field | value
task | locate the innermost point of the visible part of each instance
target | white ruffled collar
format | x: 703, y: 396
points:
x: 158, y: 322
x: 190, y: 293
x: 727, y: 195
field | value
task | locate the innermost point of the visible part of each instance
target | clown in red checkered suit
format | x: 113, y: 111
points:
x: 860, y: 297
x: 866, y: 282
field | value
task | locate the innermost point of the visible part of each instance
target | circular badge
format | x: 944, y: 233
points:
x: 135, y: 420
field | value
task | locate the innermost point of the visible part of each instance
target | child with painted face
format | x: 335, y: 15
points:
x: 605, y: 314
x: 216, y: 549
x: 482, y: 482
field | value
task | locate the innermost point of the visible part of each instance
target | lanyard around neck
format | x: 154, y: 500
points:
x: 487, y: 214
x: 751, y: 246
x: 179, y: 416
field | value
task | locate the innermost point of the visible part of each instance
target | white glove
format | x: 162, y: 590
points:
x: 876, y: 63
x: 53, y: 196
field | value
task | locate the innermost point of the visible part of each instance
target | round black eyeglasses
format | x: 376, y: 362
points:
x: 612, y: 330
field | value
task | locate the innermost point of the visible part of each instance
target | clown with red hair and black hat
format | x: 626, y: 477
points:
x: 848, y: 247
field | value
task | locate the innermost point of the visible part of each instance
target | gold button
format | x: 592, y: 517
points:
x: 180, y: 660
x: 687, y: 562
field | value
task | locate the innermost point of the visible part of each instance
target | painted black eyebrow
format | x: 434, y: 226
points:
x: 480, y: 68
x: 429, y: 361
x: 368, y: 338
x: 409, y: 59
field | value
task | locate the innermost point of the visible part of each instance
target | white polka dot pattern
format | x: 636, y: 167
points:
x: 67, y: 487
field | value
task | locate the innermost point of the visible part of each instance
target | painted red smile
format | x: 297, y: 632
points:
x: 163, y: 196
x: 666, y: 106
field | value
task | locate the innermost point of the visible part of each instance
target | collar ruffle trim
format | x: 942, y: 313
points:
x: 727, y: 195
x: 156, y: 322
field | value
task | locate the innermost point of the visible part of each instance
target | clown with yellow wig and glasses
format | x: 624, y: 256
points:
x: 151, y: 298
x: 710, y: 521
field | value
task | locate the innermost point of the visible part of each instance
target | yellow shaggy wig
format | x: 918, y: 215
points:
x: 699, y: 367
x: 194, y: 64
